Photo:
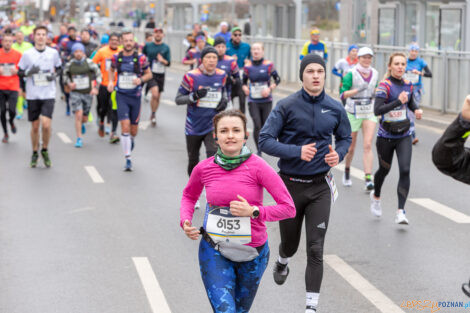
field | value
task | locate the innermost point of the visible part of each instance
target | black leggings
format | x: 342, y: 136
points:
x: 193, y: 144
x: 237, y: 91
x: 8, y: 99
x: 385, y: 149
x: 259, y: 113
x: 104, y: 102
x: 104, y: 107
x: 312, y: 201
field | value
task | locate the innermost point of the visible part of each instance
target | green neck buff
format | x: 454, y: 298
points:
x: 230, y: 163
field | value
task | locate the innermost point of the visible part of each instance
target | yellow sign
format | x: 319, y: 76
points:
x: 52, y: 12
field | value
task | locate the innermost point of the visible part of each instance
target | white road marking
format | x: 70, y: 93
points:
x: 442, y: 210
x: 95, y: 176
x: 375, y: 296
x: 64, y: 137
x: 169, y: 78
x: 152, y: 289
x: 84, y: 209
x: 168, y: 102
x: 354, y: 172
x: 144, y: 125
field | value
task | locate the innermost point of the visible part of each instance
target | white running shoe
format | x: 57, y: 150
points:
x: 369, y: 185
x: 346, y: 182
x: 197, y: 206
x: 400, y: 218
x: 375, y: 207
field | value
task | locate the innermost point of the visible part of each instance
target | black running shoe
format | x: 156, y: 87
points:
x: 13, y: 127
x: 311, y: 308
x: 280, y: 273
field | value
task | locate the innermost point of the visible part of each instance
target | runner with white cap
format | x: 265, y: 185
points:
x: 224, y: 32
x: 358, y: 92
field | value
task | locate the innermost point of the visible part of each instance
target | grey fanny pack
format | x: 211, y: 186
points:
x: 233, y: 251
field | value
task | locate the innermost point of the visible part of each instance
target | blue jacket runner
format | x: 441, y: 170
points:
x: 301, y: 119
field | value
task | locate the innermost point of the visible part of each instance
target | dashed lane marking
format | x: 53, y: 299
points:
x: 168, y: 102
x: 152, y: 288
x: 84, y: 209
x: 442, y: 210
x: 95, y: 176
x: 365, y: 288
x: 354, y: 172
x: 64, y: 138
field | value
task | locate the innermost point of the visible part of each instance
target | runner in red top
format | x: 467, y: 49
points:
x: 9, y: 84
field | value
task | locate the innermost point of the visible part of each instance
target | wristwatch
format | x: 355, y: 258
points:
x: 255, y: 212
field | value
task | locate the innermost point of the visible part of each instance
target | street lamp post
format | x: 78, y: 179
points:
x: 160, y: 11
x: 41, y: 12
x: 80, y: 17
x: 232, y: 12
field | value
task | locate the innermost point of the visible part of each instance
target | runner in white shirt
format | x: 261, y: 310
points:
x: 40, y: 66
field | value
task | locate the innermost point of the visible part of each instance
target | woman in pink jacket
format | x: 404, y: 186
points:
x: 234, y: 252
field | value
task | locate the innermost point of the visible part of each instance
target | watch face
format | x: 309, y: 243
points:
x: 255, y: 213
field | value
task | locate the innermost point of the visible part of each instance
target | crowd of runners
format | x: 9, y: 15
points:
x: 75, y: 65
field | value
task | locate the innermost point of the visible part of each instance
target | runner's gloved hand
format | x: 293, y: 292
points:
x: 222, y: 105
x: 200, y: 93
x: 33, y: 70
x: 50, y: 77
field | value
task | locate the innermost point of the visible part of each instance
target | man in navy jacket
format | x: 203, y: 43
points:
x: 299, y: 131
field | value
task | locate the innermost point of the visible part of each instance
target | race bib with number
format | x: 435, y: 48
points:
x: 6, y: 69
x: 334, y: 191
x: 363, y: 108
x: 221, y: 225
x: 396, y: 115
x: 40, y: 79
x: 126, y: 81
x: 81, y: 82
x: 256, y: 90
x: 412, y: 77
x: 319, y: 53
x: 158, y: 67
x: 211, y: 100
x: 107, y: 64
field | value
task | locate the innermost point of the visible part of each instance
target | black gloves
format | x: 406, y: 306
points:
x: 50, y: 77
x: 200, y: 93
x: 222, y: 105
x: 33, y: 70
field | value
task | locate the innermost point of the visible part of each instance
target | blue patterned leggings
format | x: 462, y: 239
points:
x: 231, y: 286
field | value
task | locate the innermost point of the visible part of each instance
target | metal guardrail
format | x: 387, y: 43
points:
x: 444, y: 92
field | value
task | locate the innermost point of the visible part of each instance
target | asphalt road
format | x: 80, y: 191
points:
x: 69, y: 244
